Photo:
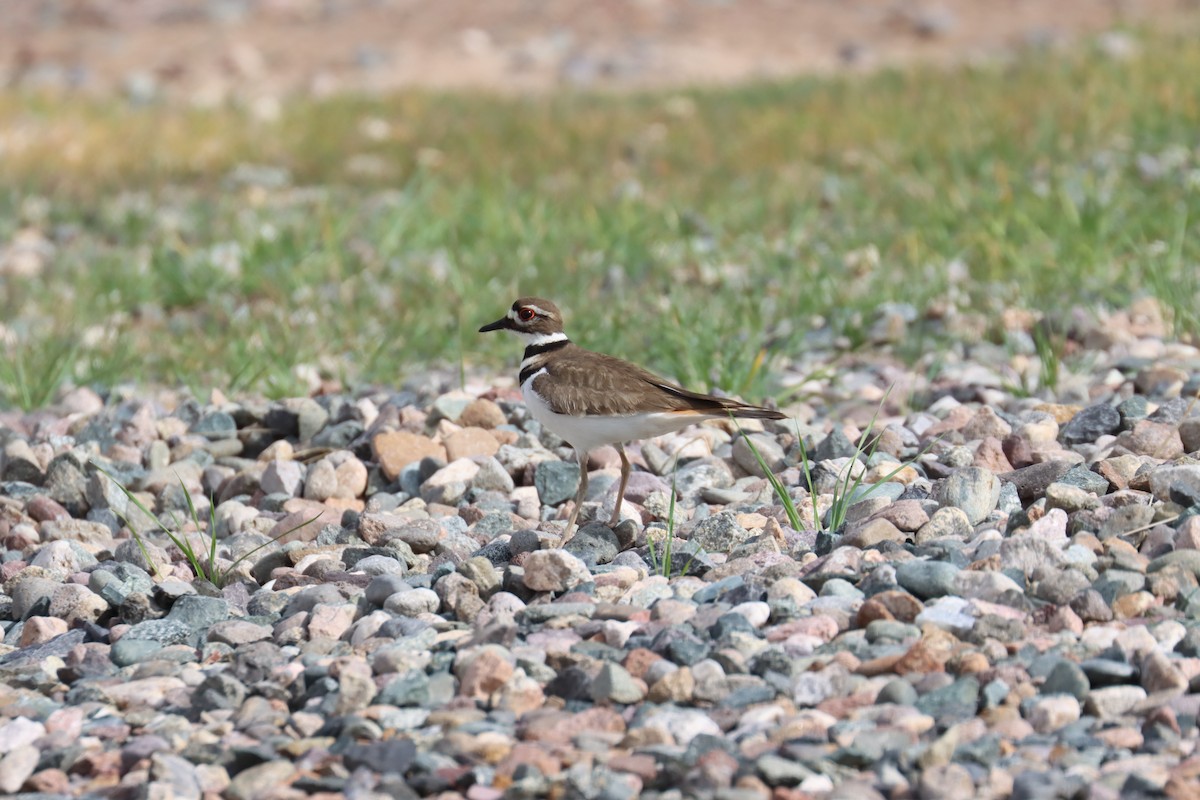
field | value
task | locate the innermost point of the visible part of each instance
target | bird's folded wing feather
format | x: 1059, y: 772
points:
x: 594, y: 383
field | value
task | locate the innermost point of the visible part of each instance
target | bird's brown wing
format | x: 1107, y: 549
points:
x: 593, y: 383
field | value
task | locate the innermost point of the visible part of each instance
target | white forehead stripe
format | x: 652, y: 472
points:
x: 536, y: 309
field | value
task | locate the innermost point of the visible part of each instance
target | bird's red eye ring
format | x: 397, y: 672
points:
x: 526, y: 314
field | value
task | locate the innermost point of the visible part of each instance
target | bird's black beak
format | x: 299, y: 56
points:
x: 500, y: 324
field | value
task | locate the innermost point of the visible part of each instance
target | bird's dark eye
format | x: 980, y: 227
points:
x: 526, y: 314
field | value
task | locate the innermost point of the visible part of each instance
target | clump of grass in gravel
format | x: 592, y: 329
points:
x: 199, y: 242
x: 30, y: 376
x: 203, y: 564
x: 663, y: 565
x: 848, y: 488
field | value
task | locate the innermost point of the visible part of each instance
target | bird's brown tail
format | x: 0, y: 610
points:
x: 754, y: 412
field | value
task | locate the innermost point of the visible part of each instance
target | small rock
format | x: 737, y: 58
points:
x: 1067, y: 678
x: 554, y: 571
x: 483, y: 671
x: 492, y: 476
x: 450, y: 483
x: 388, y: 757
x: 39, y: 630
x: 719, y: 533
x: 614, y: 684
x: 768, y: 449
x: 871, y: 533
x: 906, y: 515
x: 16, y: 766
x: 972, y: 489
x: 1069, y: 498
x: 470, y: 443
x: 949, y: 522
x: 352, y: 477
x: 395, y: 450
x: 556, y: 481
x: 321, y: 482
x: 927, y: 579
x: 260, y: 780
x: 1161, y: 674
x: 283, y: 477
x: 1113, y: 701
x: 216, y: 425
x: 482, y: 413
x: 1052, y: 712
x: 945, y: 782
x: 1090, y: 424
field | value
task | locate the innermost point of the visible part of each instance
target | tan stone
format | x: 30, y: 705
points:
x: 1132, y: 606
x: 674, y: 687
x: 990, y: 455
x: 351, y: 478
x: 563, y: 726
x: 1188, y: 535
x: 298, y: 512
x: 331, y: 621
x: 871, y: 611
x: 903, y: 605
x: 638, y: 660
x: 921, y: 658
x: 972, y: 663
x: 1148, y: 438
x: 1062, y: 413
x: 1125, y: 738
x: 521, y: 695
x: 482, y: 413
x: 145, y: 692
x: 484, y: 672
x: 395, y: 450
x: 470, y: 443
x: 986, y: 424
x: 41, y: 629
x: 872, y: 532
x: 1160, y: 379
x: 1051, y: 713
x: 1160, y: 674
x: 533, y: 754
x: 881, y: 665
x: 955, y: 420
x: 906, y: 515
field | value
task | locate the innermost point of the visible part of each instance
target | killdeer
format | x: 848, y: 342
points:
x: 591, y: 399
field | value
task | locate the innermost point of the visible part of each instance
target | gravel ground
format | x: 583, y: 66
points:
x: 209, y: 51
x: 1015, y: 613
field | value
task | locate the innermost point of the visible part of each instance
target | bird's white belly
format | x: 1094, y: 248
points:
x: 587, y: 433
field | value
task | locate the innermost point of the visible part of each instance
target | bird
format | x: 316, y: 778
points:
x: 590, y: 399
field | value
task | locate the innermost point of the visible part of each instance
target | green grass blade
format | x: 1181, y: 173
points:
x: 249, y: 553
x: 190, y: 552
x: 781, y: 492
x: 137, y: 537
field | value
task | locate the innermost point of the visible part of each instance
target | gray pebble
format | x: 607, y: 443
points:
x: 927, y: 579
x: 973, y: 489
x: 556, y: 481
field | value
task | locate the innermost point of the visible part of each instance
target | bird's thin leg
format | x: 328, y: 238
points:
x: 582, y: 457
x: 625, y: 469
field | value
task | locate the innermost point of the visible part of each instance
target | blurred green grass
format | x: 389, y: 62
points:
x: 703, y: 233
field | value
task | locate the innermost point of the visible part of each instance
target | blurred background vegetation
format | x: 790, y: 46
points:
x: 713, y: 234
